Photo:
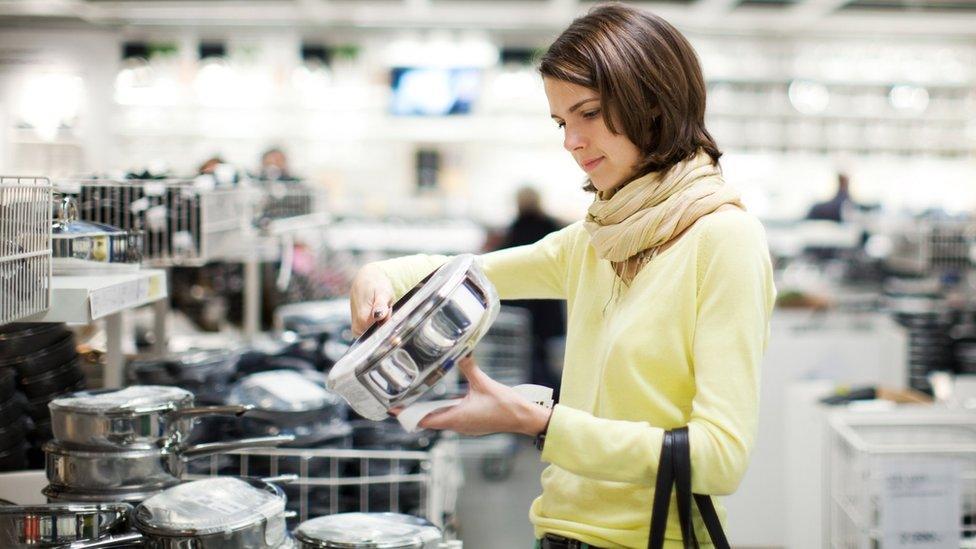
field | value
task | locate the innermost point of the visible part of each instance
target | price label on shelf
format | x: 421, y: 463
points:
x: 112, y: 299
x: 920, y: 503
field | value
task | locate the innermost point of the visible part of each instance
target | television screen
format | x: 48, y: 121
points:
x: 423, y: 91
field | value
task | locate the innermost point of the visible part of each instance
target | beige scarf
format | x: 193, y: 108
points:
x: 629, y: 224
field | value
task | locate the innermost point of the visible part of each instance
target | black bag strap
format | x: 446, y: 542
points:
x: 662, y: 495
x: 675, y: 468
x: 681, y: 454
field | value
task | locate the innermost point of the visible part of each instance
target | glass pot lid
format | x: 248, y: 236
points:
x: 219, y: 504
x: 130, y: 400
x: 367, y: 531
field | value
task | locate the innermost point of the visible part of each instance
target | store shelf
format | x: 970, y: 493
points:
x: 84, y: 298
x: 296, y: 224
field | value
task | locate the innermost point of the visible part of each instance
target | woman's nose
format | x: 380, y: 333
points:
x: 573, y: 140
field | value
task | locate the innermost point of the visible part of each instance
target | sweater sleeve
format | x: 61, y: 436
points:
x: 534, y: 271
x: 736, y: 296
x: 734, y: 302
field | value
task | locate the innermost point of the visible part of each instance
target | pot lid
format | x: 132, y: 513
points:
x: 194, y: 364
x: 367, y: 531
x: 409, y: 312
x: 282, y: 390
x: 219, y: 504
x: 134, y: 399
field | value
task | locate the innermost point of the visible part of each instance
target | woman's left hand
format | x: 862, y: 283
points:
x: 489, y: 407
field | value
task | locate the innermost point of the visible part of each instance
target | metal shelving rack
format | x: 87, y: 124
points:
x: 324, y: 478
x: 29, y: 292
x: 25, y: 247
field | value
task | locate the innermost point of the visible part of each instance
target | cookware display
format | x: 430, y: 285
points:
x: 56, y: 525
x: 86, y: 245
x: 207, y: 373
x: 136, y: 417
x: 37, y: 362
x: 214, y: 513
x: 321, y: 331
x: 367, y: 531
x: 431, y: 327
x: 43, y: 358
x: 60, y: 494
x: 289, y: 402
x: 22, y: 338
x: 133, y: 469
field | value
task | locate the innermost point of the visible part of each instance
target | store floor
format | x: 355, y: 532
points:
x: 495, y: 514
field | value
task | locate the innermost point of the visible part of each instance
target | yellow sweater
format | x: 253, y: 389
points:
x: 680, y: 346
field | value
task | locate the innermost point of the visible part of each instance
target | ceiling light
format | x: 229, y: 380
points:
x: 809, y: 97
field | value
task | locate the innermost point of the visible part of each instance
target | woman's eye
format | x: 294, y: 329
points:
x: 591, y: 114
x: 560, y: 125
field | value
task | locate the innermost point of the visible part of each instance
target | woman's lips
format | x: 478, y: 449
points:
x: 592, y: 164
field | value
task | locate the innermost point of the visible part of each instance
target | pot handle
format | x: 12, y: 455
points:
x: 222, y: 410
x: 211, y: 448
x: 121, y: 540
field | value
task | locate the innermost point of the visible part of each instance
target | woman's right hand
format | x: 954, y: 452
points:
x: 370, y: 299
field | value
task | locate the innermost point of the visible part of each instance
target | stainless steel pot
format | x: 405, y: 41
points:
x: 138, y: 469
x: 54, y: 525
x: 367, y: 531
x: 136, y: 417
x: 439, y: 321
x: 214, y: 513
x: 60, y: 494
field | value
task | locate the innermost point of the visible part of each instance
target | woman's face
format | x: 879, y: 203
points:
x: 607, y: 158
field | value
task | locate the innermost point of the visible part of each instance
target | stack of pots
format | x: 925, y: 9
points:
x: 43, y: 359
x: 13, y: 425
x: 128, y: 444
x: 213, y: 513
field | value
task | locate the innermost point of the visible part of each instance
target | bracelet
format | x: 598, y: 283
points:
x: 540, y: 439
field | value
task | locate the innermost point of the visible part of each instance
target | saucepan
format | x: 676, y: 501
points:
x: 135, y: 469
x: 213, y: 513
x: 140, y: 416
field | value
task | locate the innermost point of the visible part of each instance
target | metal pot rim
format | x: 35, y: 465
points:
x: 409, y: 314
x: 184, y: 399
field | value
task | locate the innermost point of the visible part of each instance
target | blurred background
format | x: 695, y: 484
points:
x: 318, y: 135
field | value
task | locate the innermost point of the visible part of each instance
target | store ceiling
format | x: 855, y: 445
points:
x: 790, y: 17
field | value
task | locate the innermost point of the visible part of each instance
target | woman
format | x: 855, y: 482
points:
x: 668, y: 286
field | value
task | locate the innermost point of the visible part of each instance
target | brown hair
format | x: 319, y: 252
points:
x: 648, y: 77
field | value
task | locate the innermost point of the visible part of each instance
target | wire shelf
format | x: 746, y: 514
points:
x: 284, y: 199
x: 25, y: 247
x: 868, y: 452
x: 181, y: 223
x: 332, y: 480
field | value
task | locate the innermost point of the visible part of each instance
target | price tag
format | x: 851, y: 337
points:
x: 920, y: 503
x: 105, y: 301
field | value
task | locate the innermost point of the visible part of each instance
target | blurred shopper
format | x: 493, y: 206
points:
x: 209, y: 165
x: 669, y: 292
x: 274, y: 166
x: 833, y: 209
x: 531, y: 224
